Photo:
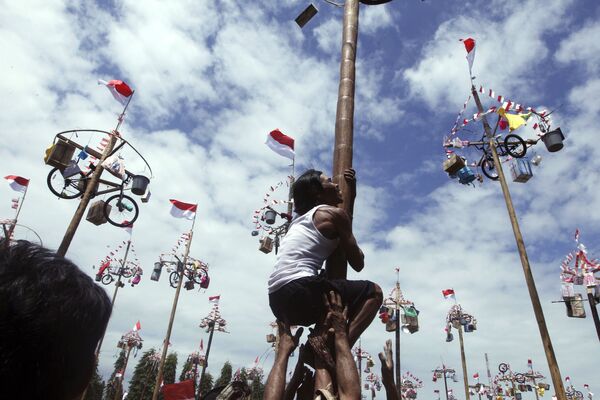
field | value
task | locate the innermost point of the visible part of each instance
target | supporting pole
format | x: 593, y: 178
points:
x: 211, y: 325
x: 123, y: 377
x: 91, y: 186
x: 398, y: 370
x: 592, y: 302
x: 489, y: 374
x: 112, y: 305
x: 398, y: 366
x: 360, y: 367
x: 85, y: 199
x: 445, y: 382
x: 344, y: 125
x: 533, y: 294
x: 161, y: 366
x: 11, y: 229
x: 464, y: 362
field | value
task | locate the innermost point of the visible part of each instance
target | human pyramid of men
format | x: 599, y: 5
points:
x: 300, y: 293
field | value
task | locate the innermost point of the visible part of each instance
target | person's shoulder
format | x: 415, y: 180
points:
x: 332, y: 212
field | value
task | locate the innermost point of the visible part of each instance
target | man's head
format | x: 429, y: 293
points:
x: 313, y: 188
x: 51, y: 318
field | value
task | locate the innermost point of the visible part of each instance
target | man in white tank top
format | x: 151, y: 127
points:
x: 296, y: 288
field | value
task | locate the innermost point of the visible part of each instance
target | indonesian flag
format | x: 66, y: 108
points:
x: 576, y: 233
x: 128, y: 227
x: 137, y: 326
x: 281, y: 144
x: 183, y: 390
x: 183, y: 210
x: 214, y: 299
x: 448, y: 294
x: 476, y: 375
x: 119, y: 89
x: 17, y: 183
x: 119, y: 374
x: 470, y: 47
x: 568, y: 379
x: 529, y: 364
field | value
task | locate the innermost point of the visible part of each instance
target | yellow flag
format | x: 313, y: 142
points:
x: 514, y: 120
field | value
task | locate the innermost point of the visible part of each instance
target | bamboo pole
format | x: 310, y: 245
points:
x: 211, y: 325
x: 446, y: 383
x: 464, y: 362
x: 592, y: 302
x: 533, y: 294
x: 172, y: 317
x: 397, y: 333
x: 344, y: 124
x: 123, y: 376
x: 91, y: 187
x: 12, y: 227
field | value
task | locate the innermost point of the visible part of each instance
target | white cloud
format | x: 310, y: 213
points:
x: 234, y: 74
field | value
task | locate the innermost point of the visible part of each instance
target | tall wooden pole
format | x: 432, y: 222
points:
x: 445, y: 382
x: 344, y: 125
x: 91, y: 187
x: 12, y: 227
x: 123, y: 376
x: 464, y: 362
x: 211, y: 325
x: 112, y: 305
x: 533, y: 294
x: 161, y: 366
x: 592, y: 302
x: 397, y: 333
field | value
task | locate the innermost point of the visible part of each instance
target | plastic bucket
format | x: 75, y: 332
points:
x: 139, y: 184
x: 270, y: 217
x: 554, y: 140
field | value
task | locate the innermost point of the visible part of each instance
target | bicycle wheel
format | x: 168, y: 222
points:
x: 503, y: 367
x: 69, y: 188
x: 488, y: 169
x: 121, y: 210
x: 107, y: 279
x: 515, y: 145
x: 127, y: 272
x: 174, y: 279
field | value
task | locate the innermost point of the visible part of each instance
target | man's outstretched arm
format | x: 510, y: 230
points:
x: 387, y: 371
x: 275, y: 387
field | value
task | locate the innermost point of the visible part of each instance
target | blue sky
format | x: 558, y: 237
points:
x: 213, y: 78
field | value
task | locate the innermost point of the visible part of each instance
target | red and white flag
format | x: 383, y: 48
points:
x: 470, y: 47
x: 448, y: 294
x: 576, y: 234
x: 476, y: 375
x: 119, y: 89
x: 17, y: 183
x: 281, y: 144
x: 137, y: 326
x: 214, y: 299
x: 529, y: 364
x: 119, y: 374
x: 183, y: 390
x: 183, y: 210
x: 128, y: 227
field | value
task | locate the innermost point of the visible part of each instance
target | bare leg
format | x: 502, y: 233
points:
x: 366, y: 313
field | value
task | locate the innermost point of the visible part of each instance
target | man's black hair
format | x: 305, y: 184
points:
x: 306, y: 189
x: 52, y: 316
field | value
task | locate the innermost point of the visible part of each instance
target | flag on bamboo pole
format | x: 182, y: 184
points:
x: 183, y: 210
x: 17, y: 183
x: 476, y: 375
x: 183, y: 390
x: 281, y: 144
x: 214, y: 299
x: 119, y: 89
x: 137, y: 326
x: 448, y: 294
x: 470, y: 47
x: 529, y: 364
x: 577, y: 235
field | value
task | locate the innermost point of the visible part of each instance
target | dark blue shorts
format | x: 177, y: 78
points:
x: 300, y: 302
